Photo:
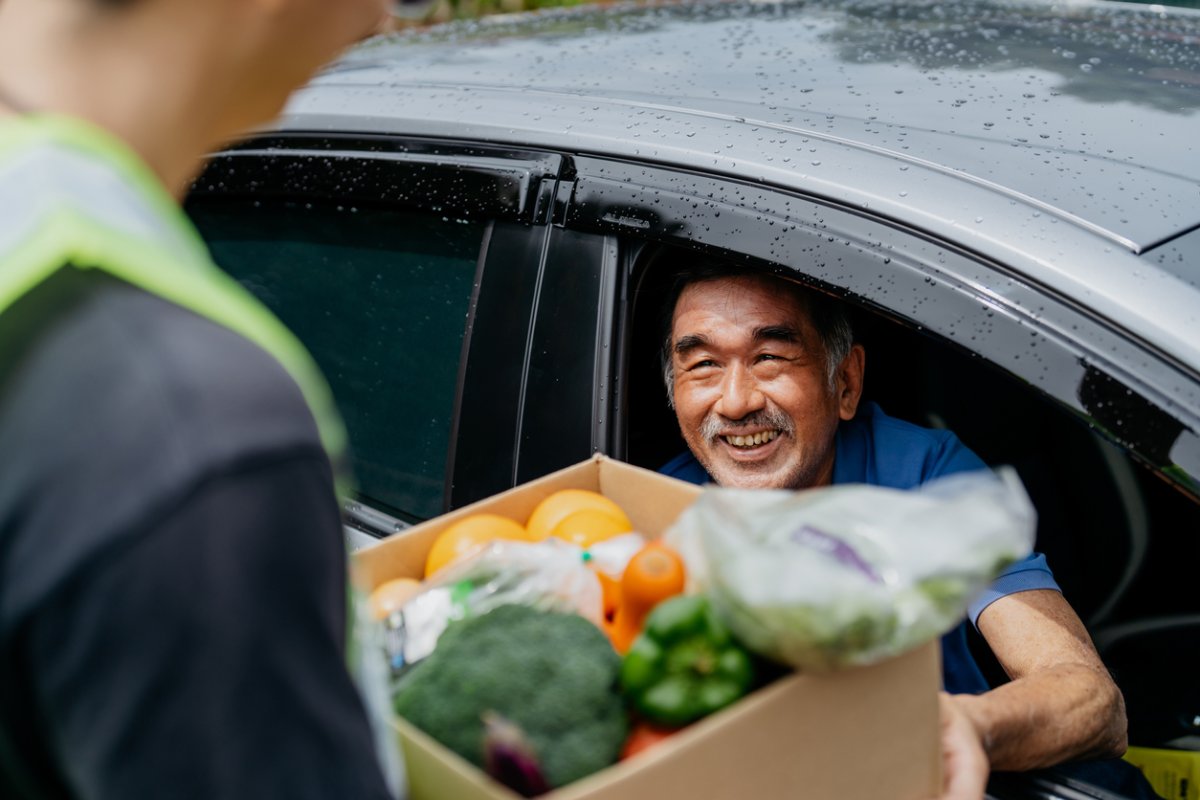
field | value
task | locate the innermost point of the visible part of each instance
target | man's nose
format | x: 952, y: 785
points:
x: 740, y: 394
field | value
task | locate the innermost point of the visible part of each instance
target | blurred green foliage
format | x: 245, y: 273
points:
x: 446, y: 10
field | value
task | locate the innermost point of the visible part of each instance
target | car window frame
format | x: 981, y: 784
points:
x: 511, y: 189
x: 1025, y: 329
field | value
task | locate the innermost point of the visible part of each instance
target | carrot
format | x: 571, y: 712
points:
x: 655, y: 573
x: 643, y: 737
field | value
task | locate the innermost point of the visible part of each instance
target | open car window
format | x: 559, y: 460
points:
x: 1100, y: 428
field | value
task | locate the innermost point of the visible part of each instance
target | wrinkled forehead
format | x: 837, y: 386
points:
x: 752, y: 300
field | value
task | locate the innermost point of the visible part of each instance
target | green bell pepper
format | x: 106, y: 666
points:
x: 685, y: 664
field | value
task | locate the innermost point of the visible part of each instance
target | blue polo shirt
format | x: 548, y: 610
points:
x: 879, y: 450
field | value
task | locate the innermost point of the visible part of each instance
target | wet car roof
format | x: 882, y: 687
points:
x: 1048, y: 136
x: 1106, y: 95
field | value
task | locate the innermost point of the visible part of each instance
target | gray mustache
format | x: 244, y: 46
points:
x: 771, y: 418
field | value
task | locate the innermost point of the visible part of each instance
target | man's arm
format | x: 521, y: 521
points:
x: 1061, y: 703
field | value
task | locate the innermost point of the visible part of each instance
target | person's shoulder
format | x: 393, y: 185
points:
x: 216, y: 382
x: 179, y: 384
x: 116, y: 405
x: 893, y: 452
x: 685, y: 467
x: 886, y: 427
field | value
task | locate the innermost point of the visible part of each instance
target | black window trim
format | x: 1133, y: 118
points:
x: 471, y: 181
x: 644, y: 202
x: 372, y: 170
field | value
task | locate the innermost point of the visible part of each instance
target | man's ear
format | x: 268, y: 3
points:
x: 849, y: 381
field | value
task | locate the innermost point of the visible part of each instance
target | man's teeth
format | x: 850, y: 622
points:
x: 753, y: 440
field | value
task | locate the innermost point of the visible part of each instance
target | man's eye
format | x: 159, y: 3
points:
x: 708, y: 362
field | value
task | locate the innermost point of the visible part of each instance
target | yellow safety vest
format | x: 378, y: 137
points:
x: 116, y: 216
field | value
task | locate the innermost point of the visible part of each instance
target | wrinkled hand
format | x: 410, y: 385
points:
x: 964, y: 763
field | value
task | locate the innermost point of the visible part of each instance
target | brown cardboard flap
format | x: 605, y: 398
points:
x: 652, y: 502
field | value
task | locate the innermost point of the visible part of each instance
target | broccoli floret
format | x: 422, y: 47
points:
x: 553, y: 676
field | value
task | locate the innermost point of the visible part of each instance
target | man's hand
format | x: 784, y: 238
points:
x: 964, y: 764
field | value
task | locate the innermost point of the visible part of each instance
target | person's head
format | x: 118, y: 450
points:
x: 759, y: 370
x: 277, y: 45
x: 294, y: 38
x: 221, y: 67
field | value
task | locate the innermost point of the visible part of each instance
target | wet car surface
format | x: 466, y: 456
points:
x: 463, y: 224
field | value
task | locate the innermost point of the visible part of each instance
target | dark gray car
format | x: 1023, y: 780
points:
x: 463, y: 224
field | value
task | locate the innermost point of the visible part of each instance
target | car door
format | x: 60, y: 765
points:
x: 410, y: 269
x: 1100, y: 425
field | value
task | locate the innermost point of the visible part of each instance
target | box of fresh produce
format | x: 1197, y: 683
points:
x: 544, y: 642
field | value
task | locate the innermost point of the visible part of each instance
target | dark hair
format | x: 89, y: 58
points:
x: 685, y: 268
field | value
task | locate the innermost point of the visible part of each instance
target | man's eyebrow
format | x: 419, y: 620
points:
x: 777, y: 333
x: 688, y: 342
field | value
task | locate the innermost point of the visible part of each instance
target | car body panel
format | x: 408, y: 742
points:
x: 942, y: 84
x: 1111, y: 123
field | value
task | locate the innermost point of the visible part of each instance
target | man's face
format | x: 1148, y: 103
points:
x: 752, y: 393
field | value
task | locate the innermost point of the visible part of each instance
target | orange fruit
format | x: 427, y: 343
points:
x: 469, y: 533
x: 589, y: 525
x: 564, y: 502
x: 655, y: 573
x: 391, y: 596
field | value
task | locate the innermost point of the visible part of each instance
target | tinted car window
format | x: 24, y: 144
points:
x: 380, y: 299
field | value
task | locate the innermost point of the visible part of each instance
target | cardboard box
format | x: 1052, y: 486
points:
x: 865, y: 733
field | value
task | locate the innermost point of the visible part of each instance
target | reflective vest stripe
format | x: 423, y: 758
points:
x: 29, y: 189
x: 66, y: 198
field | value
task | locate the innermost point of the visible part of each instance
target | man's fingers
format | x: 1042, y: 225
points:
x: 963, y: 759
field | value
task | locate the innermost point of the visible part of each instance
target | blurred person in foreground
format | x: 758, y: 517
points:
x: 173, y: 600
x: 765, y: 379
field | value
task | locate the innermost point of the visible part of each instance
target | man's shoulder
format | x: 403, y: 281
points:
x: 685, y: 467
x: 883, y: 450
x: 887, y: 428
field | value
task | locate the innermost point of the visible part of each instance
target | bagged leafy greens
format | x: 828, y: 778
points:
x: 851, y: 574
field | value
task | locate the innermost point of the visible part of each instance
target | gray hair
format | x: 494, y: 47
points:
x: 828, y: 316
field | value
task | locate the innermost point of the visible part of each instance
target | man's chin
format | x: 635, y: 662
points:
x: 741, y: 475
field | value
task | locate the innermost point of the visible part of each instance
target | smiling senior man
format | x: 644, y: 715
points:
x: 766, y: 381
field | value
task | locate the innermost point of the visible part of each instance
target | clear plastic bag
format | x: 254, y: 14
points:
x: 852, y: 574
x: 551, y: 575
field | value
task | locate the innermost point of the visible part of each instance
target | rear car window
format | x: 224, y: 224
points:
x: 380, y: 299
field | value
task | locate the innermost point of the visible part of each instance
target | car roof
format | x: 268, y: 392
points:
x: 1106, y: 96
x: 985, y: 121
